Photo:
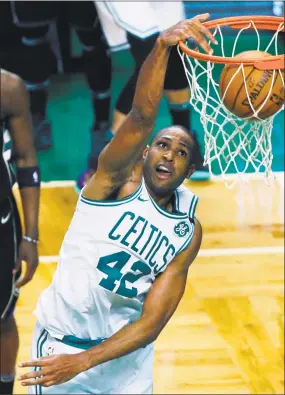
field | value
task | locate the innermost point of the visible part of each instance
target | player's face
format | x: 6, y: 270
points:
x: 167, y: 162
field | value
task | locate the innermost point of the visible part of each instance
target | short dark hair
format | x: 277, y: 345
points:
x: 192, y: 146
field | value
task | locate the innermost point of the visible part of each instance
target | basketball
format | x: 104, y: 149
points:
x: 258, y: 84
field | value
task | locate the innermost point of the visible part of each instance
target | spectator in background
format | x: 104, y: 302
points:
x: 34, y: 19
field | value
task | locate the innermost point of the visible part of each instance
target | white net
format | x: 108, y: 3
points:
x: 232, y: 144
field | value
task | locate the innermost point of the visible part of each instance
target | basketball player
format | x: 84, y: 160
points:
x: 124, y: 261
x: 136, y: 25
x: 15, y: 248
x: 35, y: 20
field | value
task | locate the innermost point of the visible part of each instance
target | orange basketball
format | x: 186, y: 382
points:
x: 258, y: 83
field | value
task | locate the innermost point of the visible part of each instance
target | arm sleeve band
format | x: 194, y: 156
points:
x: 28, y: 176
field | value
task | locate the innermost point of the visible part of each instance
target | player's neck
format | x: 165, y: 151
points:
x: 165, y: 202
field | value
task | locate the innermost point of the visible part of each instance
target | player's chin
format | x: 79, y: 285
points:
x: 165, y: 183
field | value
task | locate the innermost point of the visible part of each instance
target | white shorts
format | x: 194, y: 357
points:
x: 131, y: 374
x: 142, y: 19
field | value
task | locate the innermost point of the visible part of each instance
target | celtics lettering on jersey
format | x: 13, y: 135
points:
x: 147, y: 241
x: 140, y: 239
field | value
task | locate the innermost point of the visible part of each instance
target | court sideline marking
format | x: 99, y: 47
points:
x: 207, y: 252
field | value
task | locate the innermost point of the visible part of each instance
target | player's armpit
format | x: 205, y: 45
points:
x: 168, y: 289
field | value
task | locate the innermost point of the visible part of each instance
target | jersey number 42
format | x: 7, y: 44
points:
x: 111, y: 265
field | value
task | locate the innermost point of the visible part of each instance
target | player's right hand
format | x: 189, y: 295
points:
x: 189, y: 28
x: 54, y: 369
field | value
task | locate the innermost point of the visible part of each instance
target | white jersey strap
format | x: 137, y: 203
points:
x: 131, y: 16
x: 186, y: 201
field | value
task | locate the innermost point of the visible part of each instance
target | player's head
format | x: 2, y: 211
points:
x: 168, y: 160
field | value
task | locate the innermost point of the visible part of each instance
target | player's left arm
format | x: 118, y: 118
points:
x: 159, y: 306
x: 28, y: 175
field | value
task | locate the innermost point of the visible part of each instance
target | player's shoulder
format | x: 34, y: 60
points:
x: 198, y: 234
x: 186, y: 200
x: 183, y: 189
x: 186, y: 257
x: 14, y: 95
x: 9, y: 81
x: 198, y: 225
x: 191, y: 251
x: 11, y: 85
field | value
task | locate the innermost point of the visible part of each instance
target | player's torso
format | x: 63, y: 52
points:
x: 113, y: 251
x: 136, y: 233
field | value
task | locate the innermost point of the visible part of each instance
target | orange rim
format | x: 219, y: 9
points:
x: 239, y: 22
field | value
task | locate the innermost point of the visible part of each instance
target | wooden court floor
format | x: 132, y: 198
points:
x: 227, y: 336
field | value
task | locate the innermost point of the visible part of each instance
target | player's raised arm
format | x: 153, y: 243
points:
x: 131, y: 138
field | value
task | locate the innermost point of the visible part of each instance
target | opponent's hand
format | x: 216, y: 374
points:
x: 54, y: 369
x: 189, y: 28
x: 28, y: 252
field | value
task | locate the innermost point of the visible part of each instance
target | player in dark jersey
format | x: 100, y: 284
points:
x: 15, y: 247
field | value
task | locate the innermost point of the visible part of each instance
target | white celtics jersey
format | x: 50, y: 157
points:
x: 110, y: 256
x: 140, y: 18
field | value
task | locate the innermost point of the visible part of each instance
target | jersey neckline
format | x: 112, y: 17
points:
x: 176, y: 215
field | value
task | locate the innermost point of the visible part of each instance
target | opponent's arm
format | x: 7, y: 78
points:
x: 20, y: 127
x: 132, y: 136
x: 159, y: 306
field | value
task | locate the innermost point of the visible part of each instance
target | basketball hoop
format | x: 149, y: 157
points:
x: 234, y: 144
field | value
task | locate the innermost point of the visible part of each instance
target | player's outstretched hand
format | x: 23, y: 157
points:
x: 189, y: 28
x: 54, y: 370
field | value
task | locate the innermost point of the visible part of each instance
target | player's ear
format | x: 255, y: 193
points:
x: 191, y: 170
x: 145, y: 152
